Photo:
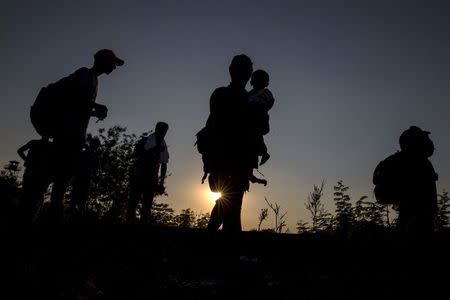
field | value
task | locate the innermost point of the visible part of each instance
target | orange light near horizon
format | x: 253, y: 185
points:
x: 215, y: 196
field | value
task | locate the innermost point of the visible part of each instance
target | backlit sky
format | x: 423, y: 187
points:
x: 348, y: 77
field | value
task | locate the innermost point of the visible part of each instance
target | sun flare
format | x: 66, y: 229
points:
x: 215, y: 196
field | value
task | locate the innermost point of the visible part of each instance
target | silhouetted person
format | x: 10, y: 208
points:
x: 148, y: 173
x: 84, y: 171
x: 418, y: 205
x: 231, y: 159
x: 409, y: 178
x: 37, y: 155
x: 77, y: 93
x: 260, y: 102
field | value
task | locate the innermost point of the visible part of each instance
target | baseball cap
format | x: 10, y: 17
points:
x: 106, y: 54
x: 412, y: 135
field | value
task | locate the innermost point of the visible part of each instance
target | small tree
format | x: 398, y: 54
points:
x: 110, y: 185
x: 320, y: 217
x: 302, y: 227
x: 202, y: 221
x: 344, y: 209
x: 368, y: 212
x: 186, y: 219
x: 442, y: 215
x: 9, y: 190
x: 360, y: 210
x: 162, y: 214
x: 280, y: 218
x: 262, y: 216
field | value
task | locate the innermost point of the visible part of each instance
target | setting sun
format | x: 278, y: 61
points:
x: 215, y: 196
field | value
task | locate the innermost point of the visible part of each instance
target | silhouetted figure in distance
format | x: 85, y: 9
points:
x: 417, y: 208
x: 148, y: 173
x: 76, y: 98
x: 37, y: 155
x: 231, y: 158
x: 409, y: 177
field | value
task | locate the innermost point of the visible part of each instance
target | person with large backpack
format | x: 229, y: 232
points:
x: 407, y: 180
x: 62, y: 111
x: 226, y: 146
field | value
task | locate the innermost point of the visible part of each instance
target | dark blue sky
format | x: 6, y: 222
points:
x: 348, y: 78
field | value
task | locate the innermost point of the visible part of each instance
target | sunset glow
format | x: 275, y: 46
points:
x: 215, y: 196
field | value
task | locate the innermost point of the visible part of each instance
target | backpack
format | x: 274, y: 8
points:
x: 139, y: 149
x: 47, y: 111
x: 204, y: 143
x: 387, y: 179
x: 143, y: 157
x: 44, y: 113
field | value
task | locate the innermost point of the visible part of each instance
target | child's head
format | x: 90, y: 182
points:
x: 260, y: 79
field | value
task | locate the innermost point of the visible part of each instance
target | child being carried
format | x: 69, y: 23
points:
x: 260, y: 102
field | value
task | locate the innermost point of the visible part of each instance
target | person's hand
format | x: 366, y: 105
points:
x: 262, y: 181
x: 160, y: 189
x: 100, y: 111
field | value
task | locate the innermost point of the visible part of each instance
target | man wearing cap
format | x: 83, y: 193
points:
x: 418, y: 202
x: 77, y: 93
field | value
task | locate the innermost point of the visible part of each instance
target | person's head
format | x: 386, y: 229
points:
x: 416, y: 141
x: 105, y: 61
x: 161, y: 129
x: 241, y: 69
x: 260, y: 79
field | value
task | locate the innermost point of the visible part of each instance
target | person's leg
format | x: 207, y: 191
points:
x: 135, y: 195
x: 147, y: 202
x: 232, y: 212
x: 262, y: 150
x: 57, y: 197
x: 217, y: 182
x: 216, y: 218
x: 29, y: 200
x: 238, y: 183
x: 67, y: 157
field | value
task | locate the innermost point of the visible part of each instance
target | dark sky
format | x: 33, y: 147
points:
x: 348, y: 77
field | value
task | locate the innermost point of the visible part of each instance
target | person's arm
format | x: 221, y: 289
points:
x: 163, y: 159
x: 85, y: 87
x: 163, y: 174
x: 21, y: 151
x: 254, y: 179
x: 160, y: 189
